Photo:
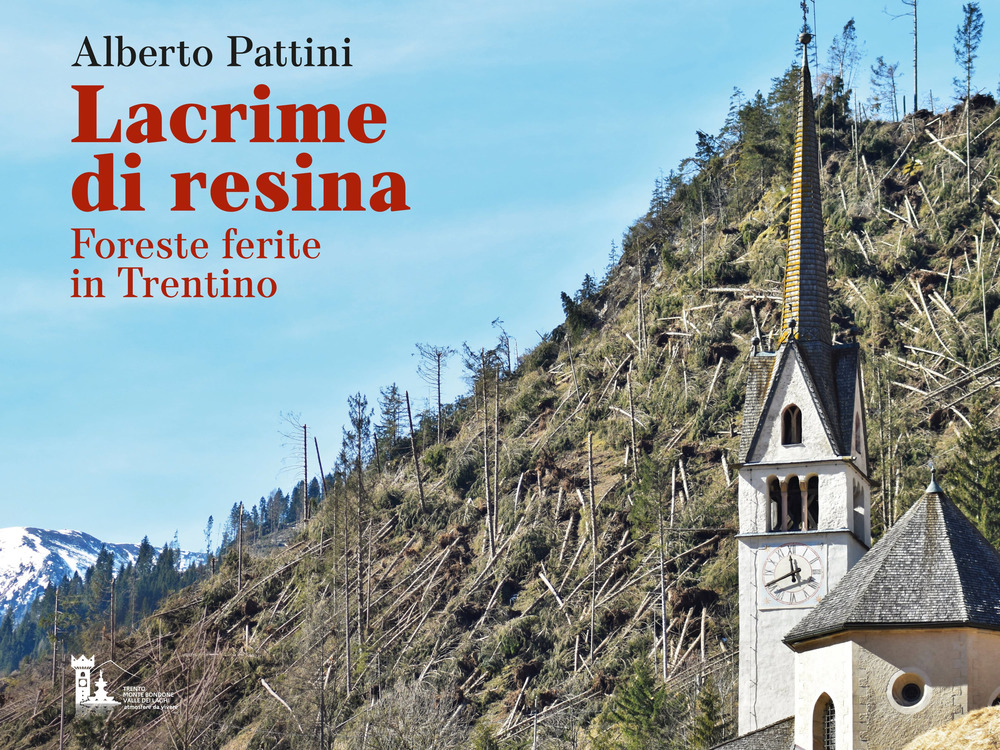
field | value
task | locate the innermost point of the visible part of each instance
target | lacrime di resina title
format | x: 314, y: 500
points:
x: 109, y: 188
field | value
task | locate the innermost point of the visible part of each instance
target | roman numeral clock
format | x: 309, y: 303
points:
x: 792, y: 575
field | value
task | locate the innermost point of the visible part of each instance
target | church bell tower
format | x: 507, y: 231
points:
x: 804, y: 496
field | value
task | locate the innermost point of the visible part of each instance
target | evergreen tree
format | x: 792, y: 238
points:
x: 208, y: 534
x: 707, y: 730
x: 391, y: 407
x: 968, y: 35
x: 883, y: 82
x: 967, y: 38
x: 974, y: 478
x: 7, y: 651
x: 637, y: 707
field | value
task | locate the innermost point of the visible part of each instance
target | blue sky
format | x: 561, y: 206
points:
x: 529, y: 135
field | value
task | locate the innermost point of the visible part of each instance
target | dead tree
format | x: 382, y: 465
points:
x: 433, y: 360
x: 413, y: 451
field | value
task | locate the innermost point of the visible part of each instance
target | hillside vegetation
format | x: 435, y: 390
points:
x: 564, y: 574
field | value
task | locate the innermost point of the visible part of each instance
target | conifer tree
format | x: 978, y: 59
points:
x: 974, y: 478
x: 391, y: 406
x: 707, y: 730
x: 638, y: 705
x: 883, y: 82
x: 968, y: 35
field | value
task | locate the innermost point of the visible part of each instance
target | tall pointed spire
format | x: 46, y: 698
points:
x: 805, y: 312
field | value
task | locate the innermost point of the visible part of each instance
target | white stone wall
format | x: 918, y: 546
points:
x: 960, y: 668
x: 791, y: 389
x: 824, y: 671
x: 767, y: 665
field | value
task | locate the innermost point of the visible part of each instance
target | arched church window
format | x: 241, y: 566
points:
x: 773, y: 504
x: 793, y: 521
x: 825, y: 724
x: 791, y: 425
x: 857, y: 433
x: 812, y: 504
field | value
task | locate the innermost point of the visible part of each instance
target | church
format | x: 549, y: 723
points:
x: 844, y: 645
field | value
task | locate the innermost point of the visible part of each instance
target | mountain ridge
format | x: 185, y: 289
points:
x: 31, y: 558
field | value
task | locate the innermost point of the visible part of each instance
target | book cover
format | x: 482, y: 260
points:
x: 233, y: 228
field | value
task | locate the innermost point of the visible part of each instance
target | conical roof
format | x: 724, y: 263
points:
x: 806, y: 296
x: 932, y: 569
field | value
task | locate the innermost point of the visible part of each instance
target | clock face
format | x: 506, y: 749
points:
x: 792, y: 575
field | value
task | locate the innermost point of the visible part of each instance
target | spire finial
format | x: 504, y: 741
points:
x: 933, y: 488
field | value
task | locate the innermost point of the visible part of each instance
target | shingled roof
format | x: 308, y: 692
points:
x: 777, y: 736
x: 932, y: 569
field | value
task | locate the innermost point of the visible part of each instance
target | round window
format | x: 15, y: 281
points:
x: 911, y: 693
x: 908, y: 690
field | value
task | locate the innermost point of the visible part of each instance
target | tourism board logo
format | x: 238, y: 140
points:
x: 99, y: 701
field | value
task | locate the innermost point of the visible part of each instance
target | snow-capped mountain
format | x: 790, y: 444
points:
x: 32, y: 558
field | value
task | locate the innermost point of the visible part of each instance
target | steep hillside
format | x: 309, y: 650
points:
x: 564, y: 570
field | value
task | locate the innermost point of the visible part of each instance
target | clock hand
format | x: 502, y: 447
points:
x: 789, y: 574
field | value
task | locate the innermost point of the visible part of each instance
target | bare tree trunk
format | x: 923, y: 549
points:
x: 55, y: 635
x: 572, y: 367
x: 413, y: 450
x: 663, y: 596
x: 359, y: 468
x: 673, y: 492
x: 322, y: 476
x: 631, y: 412
x: 368, y: 575
x: 916, y: 100
x: 439, y: 355
x: 239, y: 552
x: 347, y: 590
x: 496, y: 450
x: 490, y: 528
x: 593, y: 539
x: 968, y: 143
x: 305, y: 475
x: 701, y: 200
x: 62, y: 706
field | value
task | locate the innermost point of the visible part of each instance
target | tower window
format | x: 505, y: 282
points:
x: 824, y: 724
x: 773, y: 504
x: 791, y: 425
x: 812, y: 504
x: 794, y: 520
